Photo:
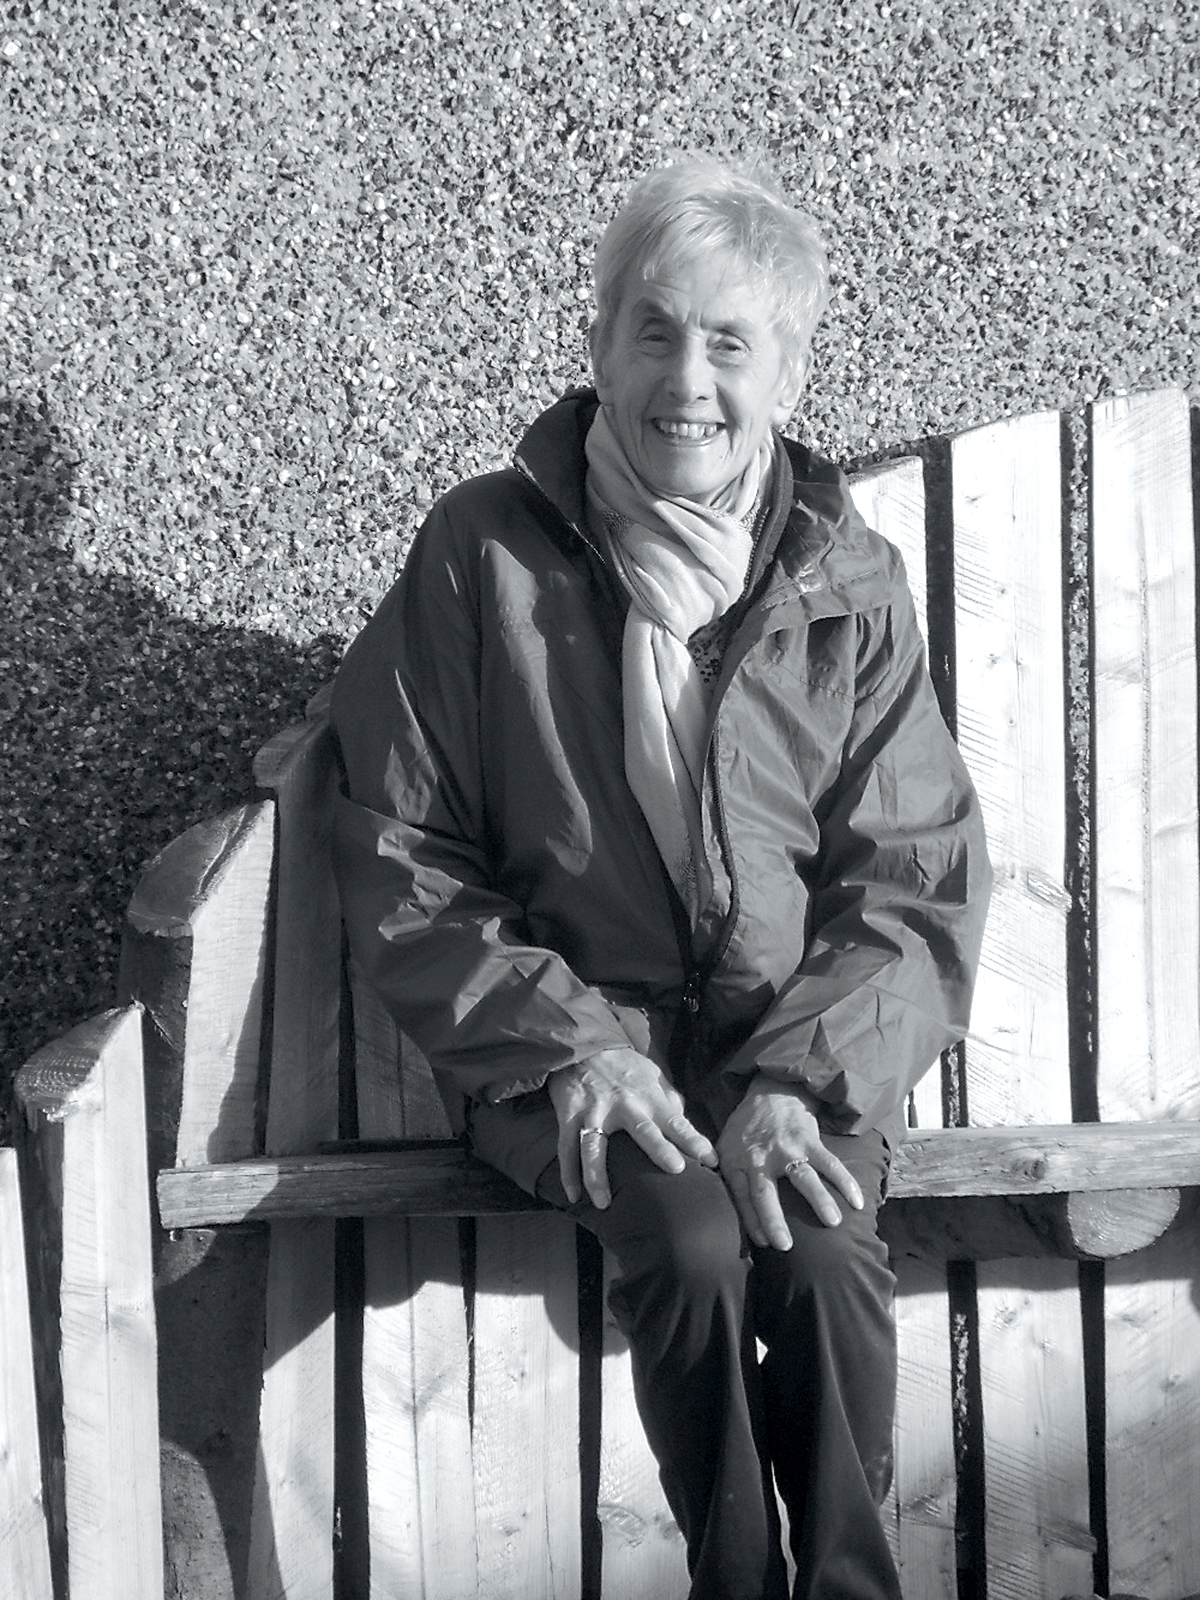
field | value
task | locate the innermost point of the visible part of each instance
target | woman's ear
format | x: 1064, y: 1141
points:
x: 598, y: 343
x: 792, y: 386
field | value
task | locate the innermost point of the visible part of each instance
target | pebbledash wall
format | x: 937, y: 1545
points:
x: 276, y: 276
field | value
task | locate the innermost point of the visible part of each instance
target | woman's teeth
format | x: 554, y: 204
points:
x: 688, y: 430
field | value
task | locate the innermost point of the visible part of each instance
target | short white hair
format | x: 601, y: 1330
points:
x: 699, y: 205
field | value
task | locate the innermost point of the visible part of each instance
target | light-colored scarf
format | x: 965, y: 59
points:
x: 684, y: 564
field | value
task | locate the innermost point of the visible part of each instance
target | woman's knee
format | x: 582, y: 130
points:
x: 682, y: 1227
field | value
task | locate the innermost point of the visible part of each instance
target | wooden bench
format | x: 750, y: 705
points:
x: 383, y: 1370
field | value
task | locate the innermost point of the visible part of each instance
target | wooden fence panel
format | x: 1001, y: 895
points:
x: 1011, y: 726
x: 24, y: 1552
x: 642, y: 1550
x: 925, y: 1490
x: 416, y: 1358
x: 1148, y: 962
x: 1009, y: 671
x: 477, y: 1490
x: 920, y: 1513
x: 193, y: 955
x: 86, y: 1191
x: 292, y: 1518
x: 526, y: 1432
x: 891, y: 499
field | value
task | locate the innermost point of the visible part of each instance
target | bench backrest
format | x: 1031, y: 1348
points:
x: 441, y: 1407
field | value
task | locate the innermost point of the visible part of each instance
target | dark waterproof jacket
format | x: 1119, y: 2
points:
x: 501, y: 887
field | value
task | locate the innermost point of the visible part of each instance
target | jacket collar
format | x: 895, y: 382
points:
x: 826, y: 558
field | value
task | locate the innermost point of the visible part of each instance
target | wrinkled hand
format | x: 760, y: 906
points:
x: 618, y: 1091
x: 771, y: 1135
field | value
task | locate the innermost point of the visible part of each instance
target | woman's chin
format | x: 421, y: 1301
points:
x: 687, y: 477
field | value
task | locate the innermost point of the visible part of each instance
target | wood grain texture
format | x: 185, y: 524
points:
x: 298, y: 767
x: 291, y: 1541
x: 526, y: 1445
x: 1009, y: 671
x: 84, y: 1174
x: 1117, y: 1222
x: 24, y: 1550
x: 194, y: 956
x: 642, y: 1548
x: 891, y: 499
x: 443, y: 1180
x: 921, y: 1508
x: 396, y: 1093
x: 1010, y: 685
x: 1031, y: 1360
x: 291, y: 1525
x: 1148, y: 1064
x: 1088, y: 1226
x: 416, y: 1366
x: 415, y: 1360
x: 1147, y: 879
x: 1152, y: 1346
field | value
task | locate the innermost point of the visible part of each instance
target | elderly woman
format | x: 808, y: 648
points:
x: 655, y: 842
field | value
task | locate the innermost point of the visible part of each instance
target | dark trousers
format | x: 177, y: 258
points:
x: 692, y: 1298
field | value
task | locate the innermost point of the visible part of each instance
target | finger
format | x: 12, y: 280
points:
x: 738, y: 1184
x: 843, y: 1180
x: 593, y: 1152
x: 568, y: 1161
x: 764, y: 1194
x: 832, y: 1170
x: 649, y: 1136
x: 691, y: 1141
x: 806, y: 1180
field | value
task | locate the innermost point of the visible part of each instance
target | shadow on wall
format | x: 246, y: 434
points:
x: 121, y: 724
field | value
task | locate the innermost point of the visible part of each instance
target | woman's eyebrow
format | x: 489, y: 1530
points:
x: 647, y: 308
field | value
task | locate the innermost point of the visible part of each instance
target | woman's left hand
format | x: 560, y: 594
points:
x: 773, y: 1135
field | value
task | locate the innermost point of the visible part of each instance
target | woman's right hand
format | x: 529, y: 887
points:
x: 618, y: 1091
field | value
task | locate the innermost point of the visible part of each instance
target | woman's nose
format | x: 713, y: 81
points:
x: 690, y: 377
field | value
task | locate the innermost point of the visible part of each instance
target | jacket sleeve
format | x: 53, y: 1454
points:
x: 446, y: 950
x: 898, y: 900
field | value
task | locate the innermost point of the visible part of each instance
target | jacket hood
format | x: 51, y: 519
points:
x: 827, y: 558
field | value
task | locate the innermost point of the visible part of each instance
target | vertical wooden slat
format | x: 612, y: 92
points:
x: 920, y: 1511
x: 1147, y: 888
x: 1011, y: 728
x: 415, y: 1397
x: 1152, y: 1354
x: 396, y: 1095
x: 642, y: 1547
x: 85, y: 1185
x: 1035, y: 1439
x: 291, y: 1542
x: 1148, y: 960
x: 526, y: 1443
x: 891, y: 499
x: 416, y: 1359
x: 193, y: 955
x: 920, y: 1515
x: 24, y: 1552
x: 1008, y: 587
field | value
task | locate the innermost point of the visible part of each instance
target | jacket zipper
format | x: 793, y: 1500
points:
x: 698, y: 974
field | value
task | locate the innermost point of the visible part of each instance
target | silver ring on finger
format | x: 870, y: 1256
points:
x: 591, y: 1133
x: 798, y: 1165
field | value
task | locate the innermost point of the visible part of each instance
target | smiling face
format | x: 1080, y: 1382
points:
x: 693, y: 375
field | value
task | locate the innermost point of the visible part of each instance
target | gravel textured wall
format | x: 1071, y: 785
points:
x: 275, y: 276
